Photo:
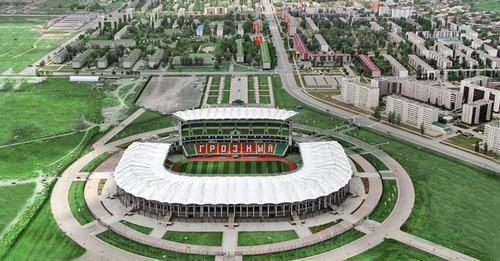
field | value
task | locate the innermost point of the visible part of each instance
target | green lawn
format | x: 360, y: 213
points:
x: 253, y: 238
x: 307, y: 115
x: 316, y: 249
x: 77, y: 203
x: 138, y: 248
x: 12, y: 198
x: 374, y: 161
x: 22, y: 41
x: 391, y: 250
x: 455, y: 203
x: 142, y: 229
x: 322, y: 227
x: 47, y: 157
x: 233, y: 167
x: 488, y: 5
x: 92, y: 165
x: 465, y: 142
x: 195, y: 238
x: 43, y: 240
x: 387, y: 201
x: 51, y: 107
x: 148, y: 121
x: 212, y: 100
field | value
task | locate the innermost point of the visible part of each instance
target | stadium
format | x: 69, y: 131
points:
x: 233, y: 162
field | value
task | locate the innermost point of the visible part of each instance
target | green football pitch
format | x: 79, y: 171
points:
x: 233, y: 167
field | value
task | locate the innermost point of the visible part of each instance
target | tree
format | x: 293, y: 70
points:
x: 485, y: 148
x: 377, y: 114
x: 476, y: 146
x: 422, y: 129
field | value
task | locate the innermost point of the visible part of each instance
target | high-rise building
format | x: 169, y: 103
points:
x: 359, y: 95
x: 412, y: 112
x: 492, y: 136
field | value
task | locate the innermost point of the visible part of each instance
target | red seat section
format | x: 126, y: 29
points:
x: 236, y: 148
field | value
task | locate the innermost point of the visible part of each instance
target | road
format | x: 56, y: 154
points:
x: 285, y: 71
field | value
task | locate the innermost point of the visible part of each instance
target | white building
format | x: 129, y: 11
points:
x: 414, y: 38
x: 395, y: 28
x: 427, y: 70
x: 477, y: 112
x: 412, y: 112
x: 81, y: 59
x: 311, y: 25
x: 359, y: 95
x: 402, y: 12
x: 425, y: 91
x: 480, y: 88
x: 131, y: 59
x: 397, y: 68
x: 220, y: 30
x: 376, y: 27
x: 492, y: 136
x: 323, y: 45
x: 102, y: 62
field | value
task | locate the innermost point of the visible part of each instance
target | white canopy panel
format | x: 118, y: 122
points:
x: 141, y: 172
x: 235, y: 113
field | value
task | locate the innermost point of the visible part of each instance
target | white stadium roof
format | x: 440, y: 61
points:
x: 235, y: 113
x: 141, y: 172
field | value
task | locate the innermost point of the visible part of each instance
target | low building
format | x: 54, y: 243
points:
x: 426, y: 71
x: 369, y: 66
x: 132, y: 58
x: 240, y: 55
x: 127, y: 43
x: 102, y: 63
x: 492, y: 136
x: 82, y: 58
x: 358, y: 94
x: 395, y: 38
x: 156, y: 58
x: 265, y: 56
x: 411, y: 112
x: 60, y: 56
x: 477, y: 112
x: 376, y: 27
x: 220, y: 30
x: 397, y: 68
x: 311, y: 25
x: 395, y: 28
x: 414, y: 38
x: 291, y: 24
x: 323, y: 45
x: 122, y: 33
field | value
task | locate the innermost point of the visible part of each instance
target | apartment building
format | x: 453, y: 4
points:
x: 358, y: 94
x: 412, y: 112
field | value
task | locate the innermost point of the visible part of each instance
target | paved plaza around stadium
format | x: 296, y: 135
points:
x: 352, y: 214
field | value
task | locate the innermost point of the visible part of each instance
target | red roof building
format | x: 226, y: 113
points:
x: 369, y: 66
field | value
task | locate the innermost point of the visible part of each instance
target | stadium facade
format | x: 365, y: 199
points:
x: 146, y: 185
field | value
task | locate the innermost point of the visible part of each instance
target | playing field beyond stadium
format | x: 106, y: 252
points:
x: 233, y: 167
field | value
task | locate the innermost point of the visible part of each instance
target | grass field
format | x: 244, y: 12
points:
x: 96, y: 162
x: 316, y: 249
x: 233, y: 167
x: 374, y: 161
x: 254, y: 238
x: 307, y: 115
x: 77, y: 203
x: 195, y: 238
x: 43, y: 157
x: 43, y: 240
x: 322, y: 227
x: 387, y: 202
x: 22, y: 42
x: 42, y: 109
x: 488, y: 5
x: 142, y: 229
x: 11, y: 199
x: 454, y: 204
x: 146, y: 122
x: 391, y: 250
x: 145, y: 250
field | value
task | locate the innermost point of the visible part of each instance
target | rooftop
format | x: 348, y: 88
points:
x: 140, y: 172
x: 235, y: 113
